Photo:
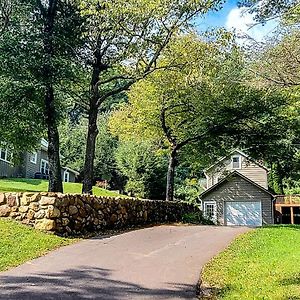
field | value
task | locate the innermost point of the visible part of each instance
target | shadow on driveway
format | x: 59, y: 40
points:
x: 86, y: 283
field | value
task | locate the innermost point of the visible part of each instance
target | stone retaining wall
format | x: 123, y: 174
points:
x: 77, y: 214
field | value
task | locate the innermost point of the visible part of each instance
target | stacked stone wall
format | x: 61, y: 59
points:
x: 71, y: 214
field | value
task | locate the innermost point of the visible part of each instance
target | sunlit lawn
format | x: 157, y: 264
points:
x: 38, y: 185
x: 261, y: 264
x: 20, y: 243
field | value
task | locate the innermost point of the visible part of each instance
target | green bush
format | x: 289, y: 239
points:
x: 196, y: 218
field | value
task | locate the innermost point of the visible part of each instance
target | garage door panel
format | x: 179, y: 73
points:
x: 243, y: 213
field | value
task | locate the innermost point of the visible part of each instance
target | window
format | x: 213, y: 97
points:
x: 33, y: 157
x: 5, y: 155
x: 236, y: 162
x: 210, y: 211
x: 66, y: 176
x: 44, y: 169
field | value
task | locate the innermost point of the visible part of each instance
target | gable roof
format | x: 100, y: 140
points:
x: 71, y: 170
x: 241, y: 153
x: 234, y: 173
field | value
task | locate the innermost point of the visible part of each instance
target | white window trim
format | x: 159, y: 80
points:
x: 240, y: 162
x: 33, y: 155
x: 214, y: 203
x: 46, y: 162
x: 6, y: 155
x: 68, y: 175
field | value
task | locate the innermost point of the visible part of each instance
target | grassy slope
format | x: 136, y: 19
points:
x: 262, y: 264
x: 37, y: 185
x: 19, y: 243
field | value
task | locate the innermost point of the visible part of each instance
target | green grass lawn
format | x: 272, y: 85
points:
x: 20, y: 243
x: 261, y: 264
x: 38, y: 185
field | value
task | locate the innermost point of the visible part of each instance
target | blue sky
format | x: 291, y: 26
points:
x: 237, y: 19
x: 216, y: 19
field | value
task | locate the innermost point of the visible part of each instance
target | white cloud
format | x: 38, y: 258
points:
x: 243, y: 23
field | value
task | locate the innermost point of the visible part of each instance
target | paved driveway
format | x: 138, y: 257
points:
x: 161, y: 262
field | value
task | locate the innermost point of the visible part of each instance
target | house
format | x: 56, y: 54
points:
x: 33, y: 165
x: 237, y: 192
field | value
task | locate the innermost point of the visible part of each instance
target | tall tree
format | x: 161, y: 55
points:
x: 125, y: 42
x: 48, y: 14
x: 196, y: 103
x: 48, y: 33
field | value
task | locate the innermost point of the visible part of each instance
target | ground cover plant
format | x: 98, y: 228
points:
x: 38, y: 185
x: 19, y: 243
x: 261, y: 264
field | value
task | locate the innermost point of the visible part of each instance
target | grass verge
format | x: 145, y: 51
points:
x: 19, y: 243
x: 38, y: 185
x: 261, y: 264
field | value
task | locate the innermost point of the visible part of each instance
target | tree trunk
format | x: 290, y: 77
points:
x: 88, y: 175
x: 279, y: 179
x: 88, y: 172
x: 171, y: 176
x: 55, y: 180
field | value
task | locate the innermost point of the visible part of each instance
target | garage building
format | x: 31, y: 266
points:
x: 237, y: 200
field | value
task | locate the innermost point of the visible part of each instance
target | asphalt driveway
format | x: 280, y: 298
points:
x: 160, y: 262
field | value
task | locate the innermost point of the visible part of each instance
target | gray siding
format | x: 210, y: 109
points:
x: 7, y: 169
x: 10, y: 170
x: 72, y: 177
x: 27, y: 169
x: 238, y: 189
x: 254, y: 172
x: 32, y: 168
x: 248, y: 168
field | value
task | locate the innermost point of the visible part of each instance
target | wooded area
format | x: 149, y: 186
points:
x: 131, y: 92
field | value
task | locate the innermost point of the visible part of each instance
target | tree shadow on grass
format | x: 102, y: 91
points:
x: 213, y: 293
x: 295, y: 280
x: 85, y: 283
x: 289, y: 282
x: 281, y: 226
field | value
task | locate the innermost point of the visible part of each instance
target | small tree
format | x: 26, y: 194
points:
x: 143, y: 167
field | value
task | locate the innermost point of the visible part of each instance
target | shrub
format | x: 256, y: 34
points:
x: 196, y: 218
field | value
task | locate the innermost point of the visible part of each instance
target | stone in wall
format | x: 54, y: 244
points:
x: 71, y: 214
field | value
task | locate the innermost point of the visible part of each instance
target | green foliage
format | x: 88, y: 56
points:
x: 268, y: 10
x: 23, y: 60
x: 257, y: 265
x: 203, y: 106
x: 196, y: 218
x: 73, y: 139
x: 188, y: 190
x: 144, y: 168
x: 19, y: 243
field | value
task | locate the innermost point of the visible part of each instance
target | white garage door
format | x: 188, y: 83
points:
x: 243, y: 213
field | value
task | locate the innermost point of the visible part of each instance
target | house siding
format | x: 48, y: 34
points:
x: 239, y: 189
x: 6, y: 169
x: 32, y: 168
x: 26, y: 168
x: 248, y: 168
x: 72, y: 176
